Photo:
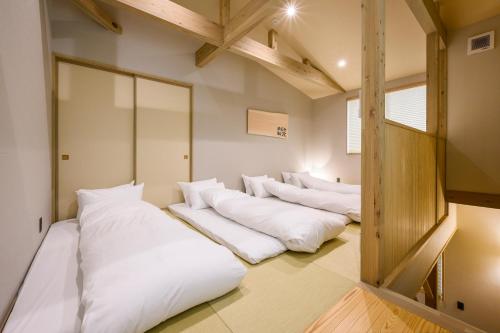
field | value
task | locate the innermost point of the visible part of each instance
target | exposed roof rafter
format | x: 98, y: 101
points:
x: 241, y: 24
x: 230, y: 37
x: 265, y: 55
x: 96, y: 13
x: 178, y: 17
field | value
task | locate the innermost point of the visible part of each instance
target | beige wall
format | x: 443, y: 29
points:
x: 223, y: 90
x: 327, y: 152
x: 472, y: 268
x: 25, y: 177
x: 473, y: 150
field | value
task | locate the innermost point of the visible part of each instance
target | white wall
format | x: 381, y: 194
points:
x: 25, y: 177
x: 473, y: 148
x: 472, y: 268
x: 328, y: 146
x: 223, y: 90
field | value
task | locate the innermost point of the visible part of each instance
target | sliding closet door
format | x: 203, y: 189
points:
x: 163, y: 139
x: 95, y: 136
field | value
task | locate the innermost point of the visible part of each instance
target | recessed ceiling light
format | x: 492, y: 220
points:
x: 342, y: 63
x: 291, y: 10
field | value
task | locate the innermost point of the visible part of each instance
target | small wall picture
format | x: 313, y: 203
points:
x: 273, y: 124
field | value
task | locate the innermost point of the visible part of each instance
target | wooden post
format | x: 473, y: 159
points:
x: 372, y: 158
x: 272, y: 39
x: 442, y: 125
x: 225, y: 11
x: 432, y: 82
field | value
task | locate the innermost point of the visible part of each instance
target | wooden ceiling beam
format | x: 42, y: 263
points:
x: 97, y: 14
x: 241, y: 24
x: 264, y: 55
x: 178, y: 17
x: 427, y: 14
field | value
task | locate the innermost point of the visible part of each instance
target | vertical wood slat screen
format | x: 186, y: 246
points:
x: 410, y: 191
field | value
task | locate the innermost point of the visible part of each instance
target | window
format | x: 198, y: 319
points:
x: 405, y: 106
x: 353, y: 127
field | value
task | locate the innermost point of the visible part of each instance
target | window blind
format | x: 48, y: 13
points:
x: 353, y: 127
x: 405, y: 106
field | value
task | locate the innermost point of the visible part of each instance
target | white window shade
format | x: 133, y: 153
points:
x: 353, y: 127
x: 407, y: 107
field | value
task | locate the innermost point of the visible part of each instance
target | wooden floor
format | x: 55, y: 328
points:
x: 362, y: 311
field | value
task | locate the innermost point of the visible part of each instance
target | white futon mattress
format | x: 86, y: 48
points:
x: 140, y: 267
x: 127, y: 279
x: 251, y: 245
x: 300, y: 228
x: 49, y: 300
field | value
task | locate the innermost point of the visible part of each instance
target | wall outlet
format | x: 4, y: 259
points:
x: 40, y: 225
x: 460, y: 306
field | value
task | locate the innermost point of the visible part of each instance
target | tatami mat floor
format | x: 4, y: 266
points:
x: 283, y: 294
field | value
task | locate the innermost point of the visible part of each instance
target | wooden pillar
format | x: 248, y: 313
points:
x: 225, y: 12
x: 373, y: 128
x: 441, y: 204
x: 432, y: 82
x: 272, y: 39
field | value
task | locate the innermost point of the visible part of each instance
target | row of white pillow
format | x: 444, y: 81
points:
x: 255, y: 185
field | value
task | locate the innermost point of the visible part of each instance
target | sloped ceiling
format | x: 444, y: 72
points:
x: 326, y: 31
x: 460, y: 13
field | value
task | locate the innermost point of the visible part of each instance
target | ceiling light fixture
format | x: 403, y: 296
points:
x: 342, y: 63
x: 291, y: 10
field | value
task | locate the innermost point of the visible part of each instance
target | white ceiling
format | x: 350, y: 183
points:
x: 326, y: 31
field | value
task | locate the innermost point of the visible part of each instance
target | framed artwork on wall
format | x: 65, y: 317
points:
x: 273, y: 124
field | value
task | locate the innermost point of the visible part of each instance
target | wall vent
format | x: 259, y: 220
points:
x: 481, y: 43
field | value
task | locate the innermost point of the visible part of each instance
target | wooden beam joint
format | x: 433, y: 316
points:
x: 100, y: 16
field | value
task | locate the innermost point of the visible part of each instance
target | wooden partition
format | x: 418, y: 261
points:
x: 403, y: 169
x: 409, y: 191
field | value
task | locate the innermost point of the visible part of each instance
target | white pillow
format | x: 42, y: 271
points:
x: 213, y: 196
x: 246, y: 180
x: 258, y: 187
x: 195, y: 197
x: 295, y: 179
x: 118, y: 193
x: 186, y: 186
x: 287, y: 177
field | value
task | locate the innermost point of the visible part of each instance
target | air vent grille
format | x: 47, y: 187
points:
x: 481, y: 43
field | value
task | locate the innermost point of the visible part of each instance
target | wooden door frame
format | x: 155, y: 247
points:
x: 60, y: 58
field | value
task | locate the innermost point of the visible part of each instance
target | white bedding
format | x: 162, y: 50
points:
x: 325, y: 185
x: 346, y: 204
x: 49, y: 300
x: 141, y: 267
x: 299, y: 228
x: 251, y: 245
